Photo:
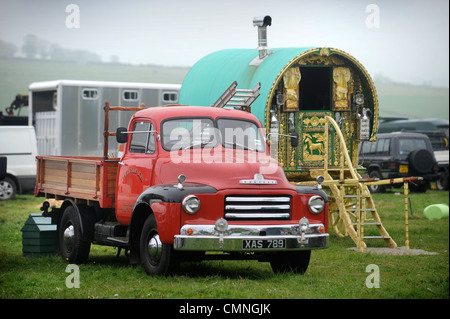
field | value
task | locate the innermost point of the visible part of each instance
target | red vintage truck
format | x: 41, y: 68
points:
x: 193, y: 183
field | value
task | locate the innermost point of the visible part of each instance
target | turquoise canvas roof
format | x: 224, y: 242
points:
x: 213, y: 74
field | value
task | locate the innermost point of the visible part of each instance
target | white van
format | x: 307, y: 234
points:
x: 18, y: 145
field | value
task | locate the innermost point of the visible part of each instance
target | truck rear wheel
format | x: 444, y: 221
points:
x: 296, y: 262
x: 157, y: 258
x: 71, y: 245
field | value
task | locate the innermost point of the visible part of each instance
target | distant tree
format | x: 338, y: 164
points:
x: 30, y: 46
x: 85, y: 56
x: 114, y: 59
x: 44, y: 49
x: 7, y: 49
x: 57, y: 53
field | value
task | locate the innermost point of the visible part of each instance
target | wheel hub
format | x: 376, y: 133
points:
x: 69, y: 236
x: 155, y: 248
x: 5, y: 190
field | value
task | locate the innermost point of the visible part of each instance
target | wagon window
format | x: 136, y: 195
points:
x: 315, y: 88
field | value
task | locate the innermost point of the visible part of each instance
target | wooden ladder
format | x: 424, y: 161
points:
x: 351, y: 200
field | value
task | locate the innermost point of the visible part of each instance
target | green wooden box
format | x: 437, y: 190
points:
x: 38, y: 236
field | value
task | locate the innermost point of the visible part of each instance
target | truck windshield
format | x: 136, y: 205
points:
x: 241, y: 134
x: 188, y: 133
x: 185, y: 133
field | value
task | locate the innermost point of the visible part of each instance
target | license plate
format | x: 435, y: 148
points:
x: 403, y: 169
x: 263, y: 244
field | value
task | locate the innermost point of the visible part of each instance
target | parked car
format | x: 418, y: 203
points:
x: 18, y: 145
x: 400, y: 154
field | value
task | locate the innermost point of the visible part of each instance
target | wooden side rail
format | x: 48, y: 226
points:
x: 106, y: 133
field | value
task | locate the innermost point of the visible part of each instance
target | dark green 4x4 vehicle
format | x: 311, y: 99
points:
x: 400, y: 154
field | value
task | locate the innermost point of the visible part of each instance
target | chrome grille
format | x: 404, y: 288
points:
x: 257, y: 207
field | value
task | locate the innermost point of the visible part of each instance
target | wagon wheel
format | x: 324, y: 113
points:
x: 337, y: 223
x: 342, y: 220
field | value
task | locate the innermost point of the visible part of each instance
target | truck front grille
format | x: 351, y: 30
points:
x: 257, y: 207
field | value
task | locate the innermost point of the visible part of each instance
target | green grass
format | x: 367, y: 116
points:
x: 334, y: 273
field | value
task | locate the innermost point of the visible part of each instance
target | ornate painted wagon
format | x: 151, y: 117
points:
x: 322, y: 95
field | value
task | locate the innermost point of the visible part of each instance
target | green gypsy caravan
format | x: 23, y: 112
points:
x: 299, y: 87
x: 322, y: 95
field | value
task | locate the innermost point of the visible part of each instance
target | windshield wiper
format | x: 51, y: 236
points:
x: 235, y: 145
x: 192, y: 145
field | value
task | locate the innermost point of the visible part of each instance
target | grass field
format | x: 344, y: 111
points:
x: 334, y: 273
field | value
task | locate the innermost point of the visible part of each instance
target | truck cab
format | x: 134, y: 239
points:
x: 198, y: 183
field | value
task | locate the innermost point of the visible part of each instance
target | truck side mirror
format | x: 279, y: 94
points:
x: 2, y: 167
x: 121, y: 135
x: 294, y: 139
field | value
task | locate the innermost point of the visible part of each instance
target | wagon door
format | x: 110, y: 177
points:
x: 307, y: 100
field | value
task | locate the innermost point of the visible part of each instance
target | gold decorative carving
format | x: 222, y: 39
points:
x: 316, y: 147
x: 341, y: 79
x: 323, y: 58
x: 291, y: 80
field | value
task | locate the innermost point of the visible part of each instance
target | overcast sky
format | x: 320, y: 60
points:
x: 408, y: 43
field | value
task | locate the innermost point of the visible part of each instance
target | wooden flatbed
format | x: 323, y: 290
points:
x: 83, y: 179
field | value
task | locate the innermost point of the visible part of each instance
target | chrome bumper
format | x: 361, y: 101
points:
x: 246, y: 238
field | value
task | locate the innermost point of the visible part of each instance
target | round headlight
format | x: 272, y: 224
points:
x: 316, y: 204
x: 191, y: 204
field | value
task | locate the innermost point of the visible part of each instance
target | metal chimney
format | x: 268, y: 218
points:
x: 262, y: 22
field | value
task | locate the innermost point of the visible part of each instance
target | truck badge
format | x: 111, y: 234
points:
x: 258, y: 179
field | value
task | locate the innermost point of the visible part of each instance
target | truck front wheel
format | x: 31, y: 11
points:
x: 71, y: 245
x: 157, y: 258
x: 296, y: 262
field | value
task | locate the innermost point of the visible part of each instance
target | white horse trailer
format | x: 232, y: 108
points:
x: 69, y: 115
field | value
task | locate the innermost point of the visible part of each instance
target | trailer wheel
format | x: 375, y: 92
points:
x: 296, y: 262
x: 157, y: 258
x: 71, y: 245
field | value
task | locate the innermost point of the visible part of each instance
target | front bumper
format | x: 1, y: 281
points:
x: 250, y: 238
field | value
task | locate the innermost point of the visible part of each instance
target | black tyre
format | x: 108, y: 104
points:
x: 156, y: 258
x: 8, y: 189
x: 442, y: 182
x: 421, y: 161
x: 420, y: 187
x: 72, y: 247
x: 296, y: 262
x: 375, y: 188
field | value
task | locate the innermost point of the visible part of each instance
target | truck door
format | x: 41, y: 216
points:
x: 135, y: 168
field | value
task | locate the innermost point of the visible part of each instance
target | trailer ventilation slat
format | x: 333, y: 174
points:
x: 257, y: 207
